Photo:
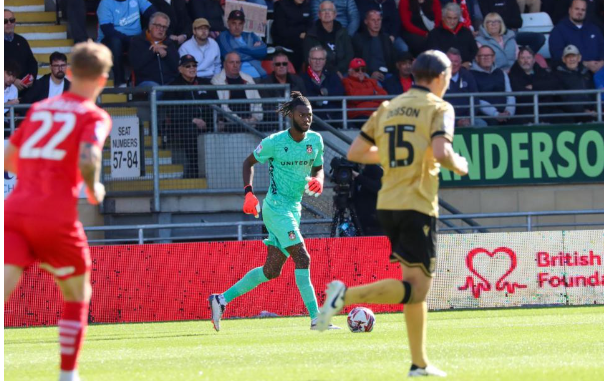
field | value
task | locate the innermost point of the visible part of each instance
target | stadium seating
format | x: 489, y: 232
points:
x: 538, y: 23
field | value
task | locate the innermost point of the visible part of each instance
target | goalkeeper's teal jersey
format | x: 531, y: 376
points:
x: 289, y: 163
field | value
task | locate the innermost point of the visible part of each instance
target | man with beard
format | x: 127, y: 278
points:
x: 295, y: 158
x: 51, y: 84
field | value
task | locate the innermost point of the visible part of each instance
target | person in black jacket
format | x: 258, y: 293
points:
x: 51, y: 84
x: 375, y: 47
x: 291, y: 20
x: 184, y: 123
x: 452, y: 34
x: 180, y: 23
x: 366, y: 185
x: 320, y: 82
x: 17, y: 49
x: 403, y: 80
x: 335, y: 39
x: 391, y: 22
x: 527, y: 75
x: 154, y: 57
x: 210, y: 10
x: 280, y: 75
x: 572, y: 75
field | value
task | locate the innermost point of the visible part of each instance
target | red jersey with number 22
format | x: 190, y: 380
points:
x: 49, y: 179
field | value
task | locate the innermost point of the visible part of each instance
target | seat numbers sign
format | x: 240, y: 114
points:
x: 125, y: 147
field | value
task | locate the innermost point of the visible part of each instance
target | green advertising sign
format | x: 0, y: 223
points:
x: 529, y: 155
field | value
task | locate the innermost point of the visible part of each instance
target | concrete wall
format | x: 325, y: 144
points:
x: 526, y: 199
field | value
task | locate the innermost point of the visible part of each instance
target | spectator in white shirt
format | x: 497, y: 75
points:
x: 11, y: 69
x: 205, y: 50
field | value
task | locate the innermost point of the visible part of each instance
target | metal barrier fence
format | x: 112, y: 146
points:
x: 319, y: 227
x: 198, y: 146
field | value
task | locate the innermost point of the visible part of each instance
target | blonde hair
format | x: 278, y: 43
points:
x: 90, y: 60
x: 495, y: 16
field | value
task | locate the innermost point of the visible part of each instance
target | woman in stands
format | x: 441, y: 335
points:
x: 494, y: 34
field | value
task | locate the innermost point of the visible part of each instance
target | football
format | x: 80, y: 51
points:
x: 361, y: 319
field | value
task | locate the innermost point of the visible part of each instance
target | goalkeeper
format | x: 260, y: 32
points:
x: 295, y: 159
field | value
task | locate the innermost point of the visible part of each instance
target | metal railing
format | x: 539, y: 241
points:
x: 240, y: 235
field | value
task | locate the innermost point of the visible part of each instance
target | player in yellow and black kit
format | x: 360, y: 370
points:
x: 411, y: 137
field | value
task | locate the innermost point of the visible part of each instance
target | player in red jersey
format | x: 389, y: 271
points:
x: 56, y: 148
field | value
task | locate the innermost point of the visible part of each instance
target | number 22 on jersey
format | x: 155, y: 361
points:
x: 49, y: 150
x: 396, y: 140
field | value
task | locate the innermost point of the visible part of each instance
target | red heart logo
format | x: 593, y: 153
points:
x: 485, y: 285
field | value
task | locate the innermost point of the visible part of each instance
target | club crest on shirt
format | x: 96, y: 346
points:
x: 309, y: 148
x: 291, y: 235
x: 286, y: 149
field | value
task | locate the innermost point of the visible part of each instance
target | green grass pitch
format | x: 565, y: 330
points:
x: 489, y: 345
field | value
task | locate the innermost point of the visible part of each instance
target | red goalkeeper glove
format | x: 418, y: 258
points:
x: 251, y: 205
x: 314, y: 186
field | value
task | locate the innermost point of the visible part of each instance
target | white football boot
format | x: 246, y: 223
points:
x: 314, y: 325
x: 217, y: 305
x: 335, y: 295
x: 428, y: 371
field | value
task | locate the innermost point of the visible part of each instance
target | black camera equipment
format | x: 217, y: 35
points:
x: 344, y: 222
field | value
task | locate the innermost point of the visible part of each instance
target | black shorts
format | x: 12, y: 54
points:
x: 413, y: 238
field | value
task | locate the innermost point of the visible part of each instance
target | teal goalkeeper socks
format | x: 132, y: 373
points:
x: 303, y: 281
x: 252, y: 279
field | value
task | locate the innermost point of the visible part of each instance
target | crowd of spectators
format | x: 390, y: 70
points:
x: 336, y: 48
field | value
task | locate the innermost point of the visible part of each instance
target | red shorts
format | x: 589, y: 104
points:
x: 60, y: 246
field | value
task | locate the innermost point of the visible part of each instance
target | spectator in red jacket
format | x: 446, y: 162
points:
x: 418, y: 18
x: 358, y: 83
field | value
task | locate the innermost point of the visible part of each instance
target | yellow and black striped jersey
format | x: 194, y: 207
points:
x: 403, y: 129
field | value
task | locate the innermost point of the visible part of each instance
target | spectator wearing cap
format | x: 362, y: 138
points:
x: 418, y: 19
x: 248, y: 45
x: 51, y: 84
x: 119, y: 22
x: 291, y: 20
x: 345, y: 12
x: 489, y: 79
x: 204, y: 49
x: 17, y: 49
x: 357, y: 83
x: 280, y: 76
x: 571, y: 74
x: 403, y: 81
x: 453, y: 34
x: 211, y: 10
x: 321, y: 82
x: 183, y: 123
x: 251, y: 113
x: 375, y: 47
x: 462, y: 82
x: 527, y: 75
x: 180, y: 21
x: 391, y: 22
x: 585, y: 36
x: 153, y: 56
x: 493, y: 33
x: 335, y: 39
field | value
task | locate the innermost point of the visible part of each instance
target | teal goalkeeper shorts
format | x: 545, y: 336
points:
x: 283, y: 226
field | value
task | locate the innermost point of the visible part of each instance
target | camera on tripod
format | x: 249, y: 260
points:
x: 342, y: 172
x: 345, y: 222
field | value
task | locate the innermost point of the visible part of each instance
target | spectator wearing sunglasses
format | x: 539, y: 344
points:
x: 51, y: 84
x: 17, y: 49
x: 358, y: 83
x: 153, y: 56
x: 119, y: 21
x: 281, y: 76
x: 183, y: 123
